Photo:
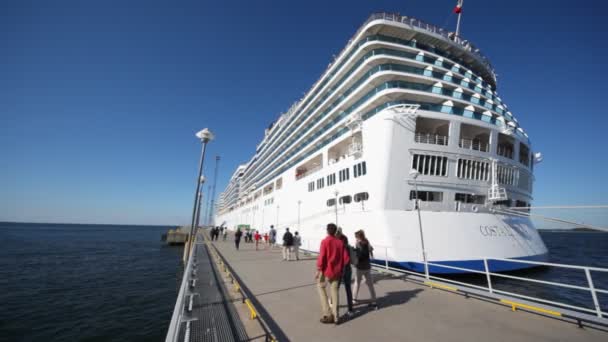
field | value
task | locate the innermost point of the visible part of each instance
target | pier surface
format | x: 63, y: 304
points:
x: 285, y: 292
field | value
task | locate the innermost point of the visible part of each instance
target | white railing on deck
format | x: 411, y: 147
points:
x: 473, y: 144
x: 427, y: 138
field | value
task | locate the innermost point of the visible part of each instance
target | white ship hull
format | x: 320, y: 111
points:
x: 349, y: 162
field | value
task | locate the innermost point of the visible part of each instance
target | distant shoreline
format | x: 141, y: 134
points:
x: 90, y: 224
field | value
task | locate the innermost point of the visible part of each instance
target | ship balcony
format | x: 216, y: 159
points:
x: 505, y: 151
x: 309, y: 167
x: 432, y: 131
x: 474, y: 144
x: 506, y: 146
x: 428, y: 138
x: 474, y: 138
x: 524, y: 154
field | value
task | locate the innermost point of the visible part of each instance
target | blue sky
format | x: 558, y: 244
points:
x: 100, y: 100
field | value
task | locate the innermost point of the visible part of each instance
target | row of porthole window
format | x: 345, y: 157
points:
x: 359, y: 197
x: 431, y: 60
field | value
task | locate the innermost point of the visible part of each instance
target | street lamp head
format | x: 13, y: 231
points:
x: 202, y: 180
x: 205, y: 135
x: 414, y: 173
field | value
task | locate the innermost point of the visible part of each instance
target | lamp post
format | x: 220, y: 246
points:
x: 200, y: 201
x: 299, y: 204
x: 414, y: 175
x: 206, y: 136
x: 336, y: 193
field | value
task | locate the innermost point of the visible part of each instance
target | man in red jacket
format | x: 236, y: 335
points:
x: 330, y: 263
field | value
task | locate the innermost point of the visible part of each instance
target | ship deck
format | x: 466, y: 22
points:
x: 285, y: 296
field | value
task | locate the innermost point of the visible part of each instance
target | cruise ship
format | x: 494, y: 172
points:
x: 405, y: 137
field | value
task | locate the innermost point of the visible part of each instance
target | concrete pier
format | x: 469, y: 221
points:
x: 285, y: 293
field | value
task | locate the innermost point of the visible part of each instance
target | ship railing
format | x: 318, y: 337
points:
x: 492, y: 288
x: 470, y: 47
x: 427, y: 138
x: 474, y: 144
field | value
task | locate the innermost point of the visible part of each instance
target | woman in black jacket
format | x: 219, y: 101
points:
x: 363, y: 266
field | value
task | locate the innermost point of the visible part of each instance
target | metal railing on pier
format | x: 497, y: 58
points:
x: 383, y: 260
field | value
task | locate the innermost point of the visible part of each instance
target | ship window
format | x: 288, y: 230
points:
x: 427, y: 196
x: 311, y: 186
x: 331, y: 179
x: 320, y: 183
x: 359, y: 169
x: 344, y: 174
x: 331, y: 202
x: 279, y: 183
x: 362, y: 196
x: 473, y: 169
x: 470, y: 198
x: 519, y: 203
x: 524, y: 154
x: 506, y: 203
x: 430, y: 165
x: 346, y: 199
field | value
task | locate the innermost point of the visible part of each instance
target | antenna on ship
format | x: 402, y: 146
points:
x: 458, y: 10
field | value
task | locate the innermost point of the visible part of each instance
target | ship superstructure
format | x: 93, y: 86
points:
x: 403, y: 95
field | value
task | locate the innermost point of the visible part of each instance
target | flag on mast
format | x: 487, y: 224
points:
x: 458, y: 8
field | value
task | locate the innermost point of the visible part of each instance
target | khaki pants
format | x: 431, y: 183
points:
x: 333, y: 289
x: 296, y: 252
x: 286, y: 252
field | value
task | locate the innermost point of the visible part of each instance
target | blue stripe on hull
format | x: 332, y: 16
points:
x: 477, y: 265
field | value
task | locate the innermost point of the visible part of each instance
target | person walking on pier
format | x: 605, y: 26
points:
x: 364, y: 252
x: 225, y: 234
x: 266, y: 240
x: 297, y: 242
x: 330, y: 264
x: 257, y: 238
x: 287, y: 245
x: 347, y: 274
x: 273, y: 236
x: 237, y: 238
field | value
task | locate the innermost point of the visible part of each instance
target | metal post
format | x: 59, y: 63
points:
x: 336, y: 207
x: 426, y: 264
x: 485, y: 265
x: 196, y: 197
x: 299, y: 204
x: 205, y: 135
x: 277, y: 224
x: 385, y: 258
x: 458, y: 22
x: 200, y: 201
x: 207, y: 207
x: 211, y: 212
x: 596, y: 302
